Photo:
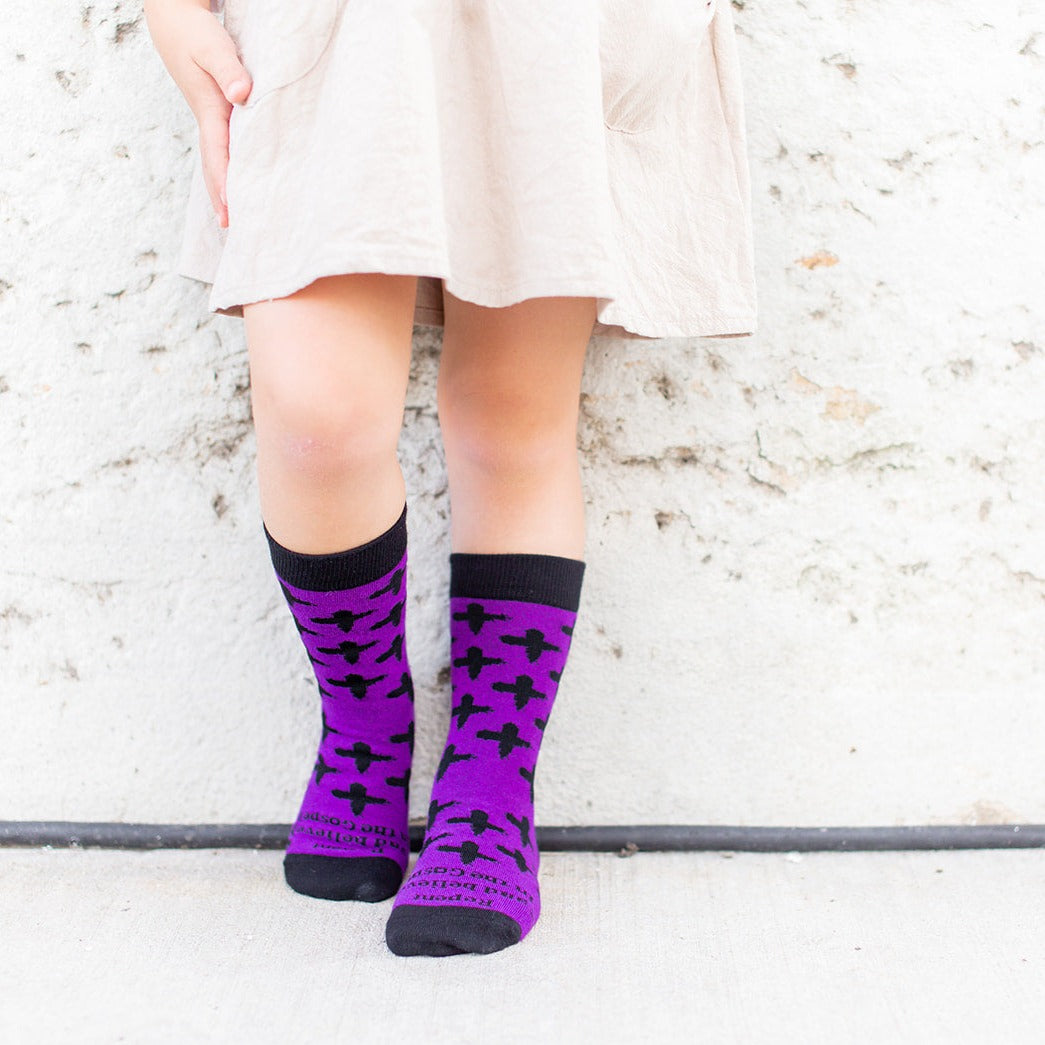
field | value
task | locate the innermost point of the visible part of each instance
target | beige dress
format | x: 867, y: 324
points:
x: 500, y: 148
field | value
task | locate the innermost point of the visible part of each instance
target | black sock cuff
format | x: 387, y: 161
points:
x: 550, y: 580
x: 337, y: 571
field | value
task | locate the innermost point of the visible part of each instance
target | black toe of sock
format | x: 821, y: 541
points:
x: 439, y: 931
x: 366, y: 878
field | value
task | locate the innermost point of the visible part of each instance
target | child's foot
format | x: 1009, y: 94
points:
x: 349, y: 840
x: 474, y: 888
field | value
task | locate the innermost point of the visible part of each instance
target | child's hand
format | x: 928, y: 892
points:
x: 201, y: 58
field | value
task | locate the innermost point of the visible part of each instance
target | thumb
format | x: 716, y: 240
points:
x: 220, y: 59
x: 237, y: 89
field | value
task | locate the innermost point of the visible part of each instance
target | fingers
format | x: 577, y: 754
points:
x: 216, y: 55
x: 198, y: 53
x: 227, y: 83
x: 214, y: 156
x: 202, y: 60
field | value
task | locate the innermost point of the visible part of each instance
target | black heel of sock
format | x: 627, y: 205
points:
x: 366, y: 878
x: 440, y: 931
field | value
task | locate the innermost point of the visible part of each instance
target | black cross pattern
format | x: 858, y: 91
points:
x: 517, y: 856
x: 474, y: 661
x: 357, y: 685
x: 464, y: 711
x: 522, y: 825
x: 302, y: 630
x: 469, y: 851
x: 400, y: 781
x: 478, y: 820
x: 395, y: 617
x: 450, y: 756
x: 527, y: 775
x: 533, y: 641
x: 507, y: 738
x: 523, y: 689
x: 358, y: 797
x: 394, y: 650
x: 292, y: 599
x: 345, y: 620
x: 395, y: 582
x: 348, y: 649
x: 321, y: 769
x: 327, y: 727
x: 476, y: 617
x: 362, y: 755
x: 434, y: 809
x: 404, y: 738
x: 430, y: 840
x: 404, y: 689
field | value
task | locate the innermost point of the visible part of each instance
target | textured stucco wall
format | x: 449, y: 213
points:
x: 816, y: 581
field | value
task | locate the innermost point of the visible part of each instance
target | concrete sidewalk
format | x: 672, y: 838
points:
x: 210, y: 946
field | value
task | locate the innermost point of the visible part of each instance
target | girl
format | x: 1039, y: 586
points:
x: 527, y: 176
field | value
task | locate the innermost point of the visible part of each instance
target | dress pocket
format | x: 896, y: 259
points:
x: 646, y: 50
x: 280, y: 41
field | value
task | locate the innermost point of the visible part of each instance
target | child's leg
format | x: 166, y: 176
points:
x: 329, y: 368
x: 508, y: 401
x: 509, y: 392
x: 328, y: 374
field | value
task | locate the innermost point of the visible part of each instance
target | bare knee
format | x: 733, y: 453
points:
x: 512, y: 435
x: 323, y: 432
x: 329, y: 368
x: 332, y: 440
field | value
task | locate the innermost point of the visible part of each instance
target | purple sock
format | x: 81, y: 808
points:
x: 474, y: 887
x: 350, y: 841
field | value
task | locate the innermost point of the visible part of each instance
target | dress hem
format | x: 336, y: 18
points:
x: 711, y: 324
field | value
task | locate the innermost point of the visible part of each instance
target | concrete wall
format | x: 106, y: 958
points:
x: 816, y: 582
